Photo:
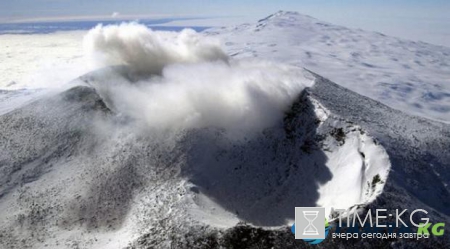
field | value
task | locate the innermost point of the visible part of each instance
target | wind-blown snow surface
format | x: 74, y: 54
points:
x: 41, y: 60
x: 410, y: 76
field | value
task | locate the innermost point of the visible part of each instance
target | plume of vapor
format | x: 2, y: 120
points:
x: 191, y: 82
x: 147, y: 51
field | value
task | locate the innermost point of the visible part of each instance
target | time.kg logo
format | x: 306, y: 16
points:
x: 309, y: 224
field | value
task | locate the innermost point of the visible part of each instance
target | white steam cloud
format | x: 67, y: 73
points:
x: 147, y: 51
x: 190, y: 82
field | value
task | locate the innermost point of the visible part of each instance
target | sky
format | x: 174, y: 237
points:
x: 412, y: 19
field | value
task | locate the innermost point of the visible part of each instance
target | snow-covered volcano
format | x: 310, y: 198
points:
x: 234, y: 150
x: 86, y: 170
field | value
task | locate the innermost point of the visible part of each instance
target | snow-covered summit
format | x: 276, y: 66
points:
x: 284, y: 17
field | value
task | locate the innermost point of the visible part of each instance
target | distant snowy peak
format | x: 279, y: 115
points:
x: 285, y: 19
x: 410, y: 76
x: 286, y: 16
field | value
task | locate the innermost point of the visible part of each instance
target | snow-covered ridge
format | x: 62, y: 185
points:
x: 319, y: 159
x: 417, y: 149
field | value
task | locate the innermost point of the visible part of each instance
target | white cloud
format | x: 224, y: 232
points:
x: 147, y: 51
x: 115, y: 14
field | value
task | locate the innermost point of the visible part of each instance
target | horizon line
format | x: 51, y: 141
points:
x: 109, y: 18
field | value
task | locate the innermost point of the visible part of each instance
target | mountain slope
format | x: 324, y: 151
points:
x: 410, y: 76
x: 91, y: 170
